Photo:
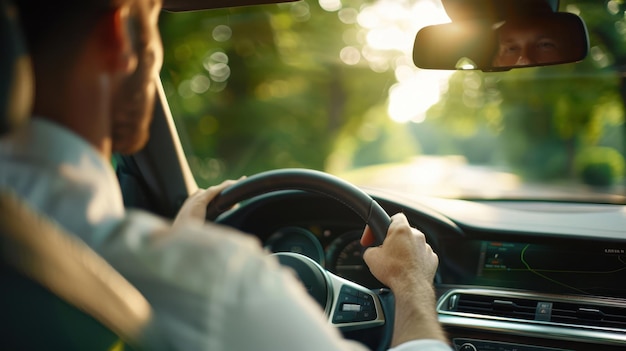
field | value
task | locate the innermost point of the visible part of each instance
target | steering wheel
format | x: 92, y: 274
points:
x: 347, y: 305
x: 307, y: 180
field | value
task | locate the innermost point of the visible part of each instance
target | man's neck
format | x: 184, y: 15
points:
x: 82, y: 107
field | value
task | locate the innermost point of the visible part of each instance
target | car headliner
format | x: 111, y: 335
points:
x: 192, y: 5
x: 457, y: 9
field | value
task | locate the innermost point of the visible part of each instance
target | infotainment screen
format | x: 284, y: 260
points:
x: 596, y: 269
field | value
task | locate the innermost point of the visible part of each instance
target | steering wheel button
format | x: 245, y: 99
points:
x: 367, y: 305
x: 344, y: 317
x: 349, y: 307
x: 364, y: 295
x: 365, y: 316
x: 350, y: 291
x: 348, y: 299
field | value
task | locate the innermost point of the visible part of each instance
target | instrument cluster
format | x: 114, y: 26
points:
x: 341, y: 253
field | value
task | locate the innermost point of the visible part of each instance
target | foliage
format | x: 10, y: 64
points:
x: 243, y: 86
x: 600, y: 166
x: 248, y: 93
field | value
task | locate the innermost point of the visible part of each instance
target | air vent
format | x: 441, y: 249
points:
x: 583, y: 312
x: 494, y: 306
x: 586, y: 314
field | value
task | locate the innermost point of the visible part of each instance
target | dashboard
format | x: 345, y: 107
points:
x: 597, y: 269
x: 512, y: 275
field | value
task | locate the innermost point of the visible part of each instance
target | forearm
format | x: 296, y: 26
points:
x: 415, y: 315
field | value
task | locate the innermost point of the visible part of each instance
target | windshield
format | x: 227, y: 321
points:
x: 330, y: 85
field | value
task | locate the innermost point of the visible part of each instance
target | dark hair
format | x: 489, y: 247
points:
x: 55, y: 30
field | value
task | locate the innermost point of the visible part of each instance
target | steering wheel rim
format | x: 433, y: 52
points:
x: 361, y: 204
x: 306, y: 180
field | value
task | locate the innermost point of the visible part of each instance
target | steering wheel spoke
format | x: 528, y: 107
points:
x: 354, y: 306
x: 348, y: 306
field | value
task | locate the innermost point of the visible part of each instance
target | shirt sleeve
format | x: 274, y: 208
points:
x: 422, y: 345
x: 212, y: 288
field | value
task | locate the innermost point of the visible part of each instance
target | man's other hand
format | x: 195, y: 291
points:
x: 194, y: 208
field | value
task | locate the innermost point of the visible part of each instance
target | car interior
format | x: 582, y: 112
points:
x: 513, y: 275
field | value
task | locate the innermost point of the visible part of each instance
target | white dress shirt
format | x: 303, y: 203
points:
x: 211, y: 287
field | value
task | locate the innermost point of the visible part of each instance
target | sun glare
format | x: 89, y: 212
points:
x: 391, y: 27
x: 415, y: 94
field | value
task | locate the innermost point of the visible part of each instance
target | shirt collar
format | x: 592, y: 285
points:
x: 53, y: 144
x: 95, y: 187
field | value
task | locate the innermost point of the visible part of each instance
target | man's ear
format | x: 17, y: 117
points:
x: 117, y: 41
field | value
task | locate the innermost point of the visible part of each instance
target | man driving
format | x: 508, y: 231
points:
x: 211, y: 287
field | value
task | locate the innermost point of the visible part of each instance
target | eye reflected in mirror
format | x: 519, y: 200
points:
x: 541, y: 40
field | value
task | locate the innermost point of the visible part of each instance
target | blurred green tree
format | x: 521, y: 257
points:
x: 244, y: 88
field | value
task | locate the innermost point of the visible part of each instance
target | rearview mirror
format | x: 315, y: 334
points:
x: 540, y: 40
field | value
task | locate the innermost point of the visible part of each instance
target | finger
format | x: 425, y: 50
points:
x: 435, y: 258
x: 212, y: 191
x: 370, y: 254
x: 399, y: 224
x: 418, y: 235
x: 367, y: 239
x: 399, y: 219
x: 223, y: 185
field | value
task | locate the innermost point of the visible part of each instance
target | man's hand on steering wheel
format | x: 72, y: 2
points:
x: 406, y: 263
x: 404, y: 257
x: 194, y: 208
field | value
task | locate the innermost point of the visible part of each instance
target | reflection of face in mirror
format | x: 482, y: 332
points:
x: 531, y: 42
x: 529, y: 38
